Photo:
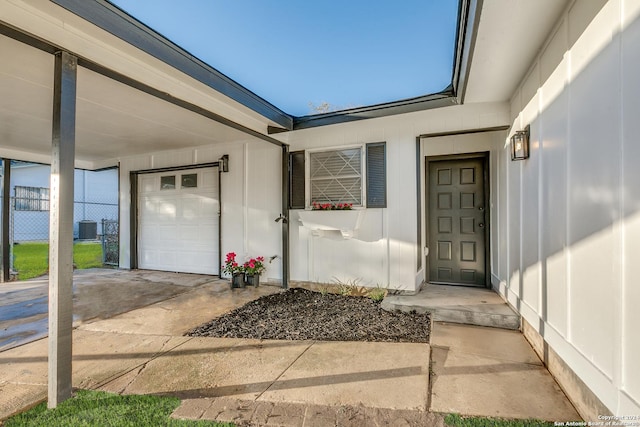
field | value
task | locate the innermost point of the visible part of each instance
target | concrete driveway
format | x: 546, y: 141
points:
x: 97, y: 294
x: 132, y: 342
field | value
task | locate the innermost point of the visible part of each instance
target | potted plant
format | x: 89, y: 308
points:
x: 252, y: 270
x: 331, y: 206
x: 235, y: 270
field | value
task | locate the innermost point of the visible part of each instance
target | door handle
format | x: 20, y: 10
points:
x: 481, y: 225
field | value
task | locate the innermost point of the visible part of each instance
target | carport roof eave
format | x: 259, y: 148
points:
x: 113, y: 20
x: 93, y: 162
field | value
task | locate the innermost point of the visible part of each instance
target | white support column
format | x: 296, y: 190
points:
x: 61, y: 228
x: 5, y: 248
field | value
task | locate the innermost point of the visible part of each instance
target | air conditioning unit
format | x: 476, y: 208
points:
x: 87, y: 230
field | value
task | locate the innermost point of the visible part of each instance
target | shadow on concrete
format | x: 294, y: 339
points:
x: 321, y: 380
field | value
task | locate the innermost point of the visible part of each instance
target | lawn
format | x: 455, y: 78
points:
x: 96, y: 408
x: 455, y: 420
x: 32, y: 259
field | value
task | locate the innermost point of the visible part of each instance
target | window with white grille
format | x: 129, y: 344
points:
x: 31, y: 198
x: 336, y: 176
x: 356, y: 175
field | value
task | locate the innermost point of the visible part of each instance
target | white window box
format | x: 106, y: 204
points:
x: 347, y: 221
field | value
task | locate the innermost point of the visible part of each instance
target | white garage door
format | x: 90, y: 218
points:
x: 178, y: 221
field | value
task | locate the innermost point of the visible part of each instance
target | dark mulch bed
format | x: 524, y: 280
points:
x: 300, y: 314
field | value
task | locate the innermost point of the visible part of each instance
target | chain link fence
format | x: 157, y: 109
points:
x: 95, y: 219
x: 33, y: 225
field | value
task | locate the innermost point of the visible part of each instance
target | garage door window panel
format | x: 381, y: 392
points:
x: 189, y: 180
x: 168, y: 182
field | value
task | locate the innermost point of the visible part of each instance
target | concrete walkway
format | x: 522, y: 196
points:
x: 479, y: 371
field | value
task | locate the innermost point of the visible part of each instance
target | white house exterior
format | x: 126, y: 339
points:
x: 562, y: 227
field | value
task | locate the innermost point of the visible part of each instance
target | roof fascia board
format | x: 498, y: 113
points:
x: 115, y: 21
x: 443, y: 99
x: 468, y: 24
x: 468, y: 21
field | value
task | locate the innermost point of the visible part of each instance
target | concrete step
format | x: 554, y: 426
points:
x: 457, y: 304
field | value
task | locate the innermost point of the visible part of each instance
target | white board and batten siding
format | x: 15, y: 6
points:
x: 178, y: 227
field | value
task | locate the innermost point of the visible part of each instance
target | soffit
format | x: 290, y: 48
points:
x: 510, y: 35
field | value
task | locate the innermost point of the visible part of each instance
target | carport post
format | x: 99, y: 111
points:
x: 6, y: 206
x: 285, y: 212
x: 61, y: 228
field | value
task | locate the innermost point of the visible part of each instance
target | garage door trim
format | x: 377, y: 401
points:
x: 133, y: 220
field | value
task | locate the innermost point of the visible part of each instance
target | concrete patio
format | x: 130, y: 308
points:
x: 474, y: 370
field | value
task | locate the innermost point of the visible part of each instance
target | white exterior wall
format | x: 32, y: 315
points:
x: 569, y: 216
x: 250, y: 198
x: 383, y: 252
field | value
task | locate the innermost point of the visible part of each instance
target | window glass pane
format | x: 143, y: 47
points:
x: 190, y: 180
x: 31, y: 198
x: 168, y: 182
x: 335, y: 176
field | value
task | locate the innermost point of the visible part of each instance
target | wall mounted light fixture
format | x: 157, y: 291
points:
x: 223, y: 163
x: 520, y: 144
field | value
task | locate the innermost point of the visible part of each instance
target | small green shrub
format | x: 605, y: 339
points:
x: 377, y: 294
x: 346, y: 288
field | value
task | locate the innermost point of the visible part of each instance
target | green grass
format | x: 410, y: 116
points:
x: 96, y: 408
x: 32, y: 259
x: 87, y: 255
x: 455, y: 420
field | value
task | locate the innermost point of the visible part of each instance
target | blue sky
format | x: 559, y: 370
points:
x: 295, y: 52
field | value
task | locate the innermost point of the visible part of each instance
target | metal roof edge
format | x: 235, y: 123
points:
x: 115, y: 21
x: 427, y: 102
x: 468, y: 23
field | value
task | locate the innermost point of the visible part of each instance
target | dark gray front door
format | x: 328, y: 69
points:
x: 457, y: 228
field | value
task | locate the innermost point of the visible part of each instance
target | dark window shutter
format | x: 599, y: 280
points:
x: 296, y: 180
x: 376, y: 175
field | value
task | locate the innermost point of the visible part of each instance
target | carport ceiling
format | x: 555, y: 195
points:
x: 112, y: 120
